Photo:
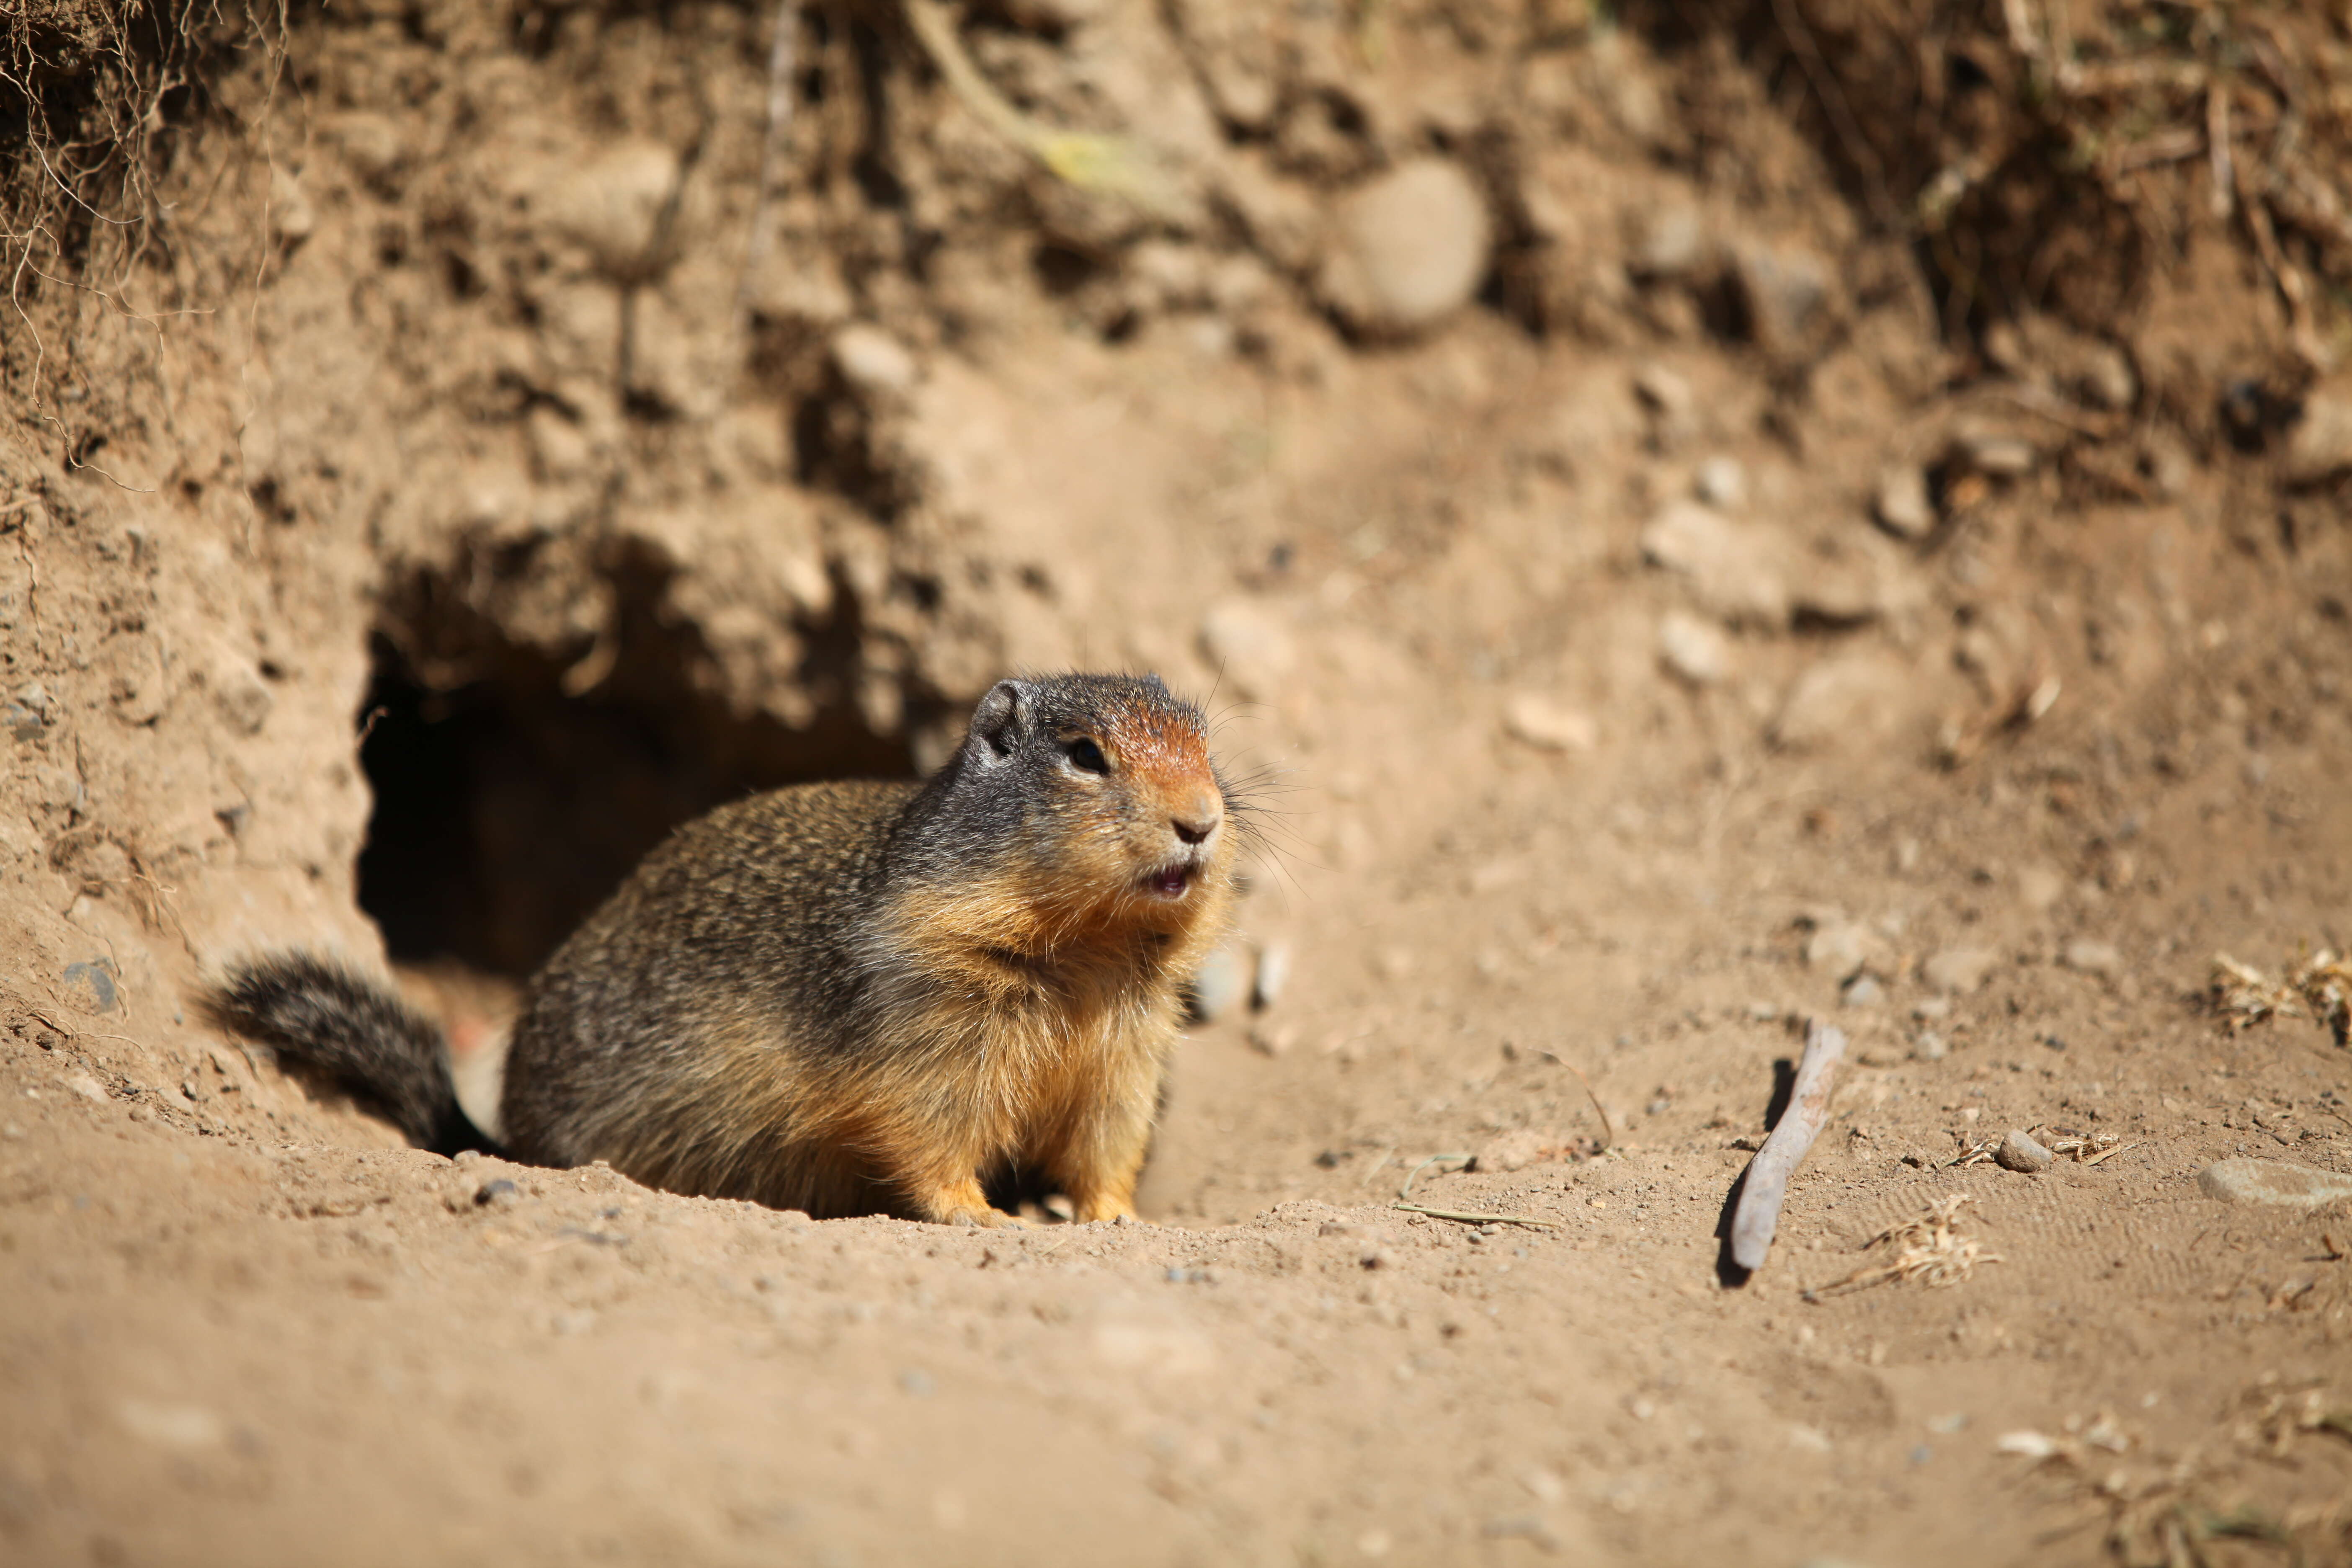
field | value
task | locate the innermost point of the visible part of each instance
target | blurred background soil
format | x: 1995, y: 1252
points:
x: 1695, y: 514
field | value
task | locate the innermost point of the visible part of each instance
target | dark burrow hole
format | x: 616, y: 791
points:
x: 506, y: 809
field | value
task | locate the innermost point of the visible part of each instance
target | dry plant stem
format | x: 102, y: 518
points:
x: 1113, y: 165
x: 1405, y: 1191
x: 1468, y: 1218
x: 1607, y: 1132
x: 773, y: 146
x: 1759, y: 1214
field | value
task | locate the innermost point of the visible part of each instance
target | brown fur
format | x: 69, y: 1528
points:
x: 844, y: 998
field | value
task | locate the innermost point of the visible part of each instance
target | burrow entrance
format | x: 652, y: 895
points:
x: 507, y: 808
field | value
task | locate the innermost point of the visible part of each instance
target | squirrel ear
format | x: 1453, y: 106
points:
x: 996, y: 723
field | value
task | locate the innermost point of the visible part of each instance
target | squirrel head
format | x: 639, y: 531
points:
x: 1081, y: 809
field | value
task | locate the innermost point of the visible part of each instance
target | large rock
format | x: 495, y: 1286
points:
x: 1410, y: 248
x: 2280, y: 1183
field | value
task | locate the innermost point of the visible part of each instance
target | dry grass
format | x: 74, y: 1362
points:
x: 2164, y: 1511
x: 1930, y: 1247
x: 2317, y: 986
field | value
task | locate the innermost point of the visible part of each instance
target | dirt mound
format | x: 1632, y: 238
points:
x: 1709, y: 515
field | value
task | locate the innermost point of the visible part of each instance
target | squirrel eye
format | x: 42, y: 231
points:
x: 1085, y: 754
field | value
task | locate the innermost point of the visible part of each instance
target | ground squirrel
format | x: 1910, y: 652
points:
x: 849, y: 998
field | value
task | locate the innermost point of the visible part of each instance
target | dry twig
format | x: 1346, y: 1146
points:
x: 1759, y: 1214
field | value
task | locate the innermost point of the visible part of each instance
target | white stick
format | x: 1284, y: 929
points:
x: 1759, y: 1213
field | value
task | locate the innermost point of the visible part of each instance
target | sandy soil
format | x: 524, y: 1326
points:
x: 1604, y: 737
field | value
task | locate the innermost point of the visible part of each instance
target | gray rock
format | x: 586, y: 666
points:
x: 1959, y: 969
x: 1410, y: 248
x: 90, y: 985
x: 1931, y: 1047
x: 1901, y: 503
x: 2278, y: 1182
x: 1218, y: 985
x: 2019, y: 1151
x: 1692, y: 649
x: 1863, y: 991
x: 27, y: 712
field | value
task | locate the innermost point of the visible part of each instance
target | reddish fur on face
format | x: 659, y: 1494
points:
x: 1054, y: 976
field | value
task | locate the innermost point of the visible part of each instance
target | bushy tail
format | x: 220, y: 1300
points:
x: 355, y: 1029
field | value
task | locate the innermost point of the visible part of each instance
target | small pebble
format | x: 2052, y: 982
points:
x: 1548, y: 725
x: 1863, y: 991
x: 1840, y: 947
x: 1722, y: 482
x: 1664, y: 390
x: 1902, y: 504
x: 1934, y: 1010
x: 1931, y: 1047
x: 1997, y: 456
x: 2019, y: 1151
x: 872, y: 360
x: 498, y: 1193
x: 1693, y: 649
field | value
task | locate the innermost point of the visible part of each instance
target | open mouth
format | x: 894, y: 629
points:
x: 1173, y: 882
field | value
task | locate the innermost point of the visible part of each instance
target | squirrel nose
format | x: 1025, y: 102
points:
x: 1194, y: 826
